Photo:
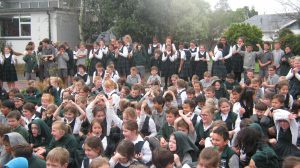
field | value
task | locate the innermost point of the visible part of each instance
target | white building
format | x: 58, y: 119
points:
x: 22, y: 21
x: 271, y: 24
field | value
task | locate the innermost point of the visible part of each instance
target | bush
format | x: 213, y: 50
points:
x: 288, y: 38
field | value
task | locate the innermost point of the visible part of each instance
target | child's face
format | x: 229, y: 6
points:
x: 123, y: 93
x: 255, y: 86
x: 174, y: 81
x: 267, y: 102
x: 168, y: 41
x: 266, y: 47
x: 97, y: 129
x: 98, y: 83
x: 250, y: 75
x: 225, y: 108
x: 284, y: 124
x: 271, y: 71
x: 190, y: 96
x: 81, y: 70
x: 5, y: 110
x: 6, y: 50
x: 89, y: 152
x: 45, y: 101
x: 133, y: 72
x: 169, y: 48
x: 128, y: 134
x: 259, y: 113
x: 135, y: 93
x: 217, y: 85
x: 27, y: 113
x: 13, y: 122
x: 69, y: 116
x: 34, y: 130
x: 202, y: 48
x: 183, y: 129
x: 186, y: 108
x: 170, y: 118
x: 100, y: 115
x: 229, y: 80
x: 192, y: 45
x: 57, y: 133
x: 218, y: 141
x: 249, y: 48
x: 172, y: 144
x: 127, y: 118
x: 197, y: 87
x: 52, y: 164
x: 156, y: 106
x: 287, y: 49
x: 153, y: 72
x: 235, y: 96
x: 18, y: 103
x: 82, y: 47
x: 284, y: 90
x: 99, y: 69
x: 276, y: 104
x: 296, y: 64
x: 95, y: 46
x: 206, y: 117
x: 209, y: 94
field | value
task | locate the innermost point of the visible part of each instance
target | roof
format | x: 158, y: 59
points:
x: 271, y: 22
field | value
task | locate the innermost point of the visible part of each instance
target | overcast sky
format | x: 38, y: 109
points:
x: 262, y: 6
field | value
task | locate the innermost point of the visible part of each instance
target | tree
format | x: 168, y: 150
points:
x: 288, y: 38
x: 251, y: 33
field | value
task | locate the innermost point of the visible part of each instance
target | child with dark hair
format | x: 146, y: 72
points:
x: 282, y: 88
x: 39, y: 134
x: 83, y: 74
x: 264, y: 60
x: 244, y: 107
x: 218, y: 67
x: 31, y: 65
x: 158, y: 114
x: 62, y: 59
x: 230, y: 82
x: 209, y: 157
x: 261, y: 116
x: 162, y: 158
x: 26, y: 151
x: 93, y: 148
x: 220, y: 90
x: 14, y: 121
x: 220, y: 138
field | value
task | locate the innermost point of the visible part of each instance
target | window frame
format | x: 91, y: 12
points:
x: 19, y: 17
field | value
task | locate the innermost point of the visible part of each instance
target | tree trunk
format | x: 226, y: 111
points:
x: 81, y: 13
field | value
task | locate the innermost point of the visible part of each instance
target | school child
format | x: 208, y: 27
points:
x: 48, y: 114
x: 121, y: 54
x: 9, y: 74
x: 190, y: 93
x: 272, y: 78
x: 4, y: 156
x: 258, y: 152
x: 208, y: 157
x: 111, y: 74
x: 162, y: 158
x: 237, y: 59
x: 264, y: 60
x: 170, y: 99
x: 218, y: 67
x: 83, y: 74
x: 139, y: 56
x: 158, y: 114
x: 97, y: 86
x: 70, y: 115
x: 30, y: 64
x: 294, y: 78
x: 261, y: 116
x: 155, y: 60
x: 285, y: 61
x: 200, y: 62
x: 220, y: 90
x: 62, y: 59
x: 57, y: 85
x: 225, y: 114
x: 282, y: 88
x: 277, y: 102
x: 81, y: 55
x: 146, y: 124
x: 206, y: 81
x: 188, y: 107
x: 142, y: 148
x: 19, y: 101
x: 256, y: 84
x: 226, y: 53
x: 11, y: 140
x: 58, y: 157
x: 235, y: 94
x: 111, y: 92
x: 220, y: 138
x: 174, y: 79
x: 244, y: 107
x: 181, y: 92
x: 104, y: 50
x: 124, y: 92
x: 195, y: 53
x: 39, y: 134
x: 29, y: 113
x: 230, y: 82
x: 287, y: 134
x: 199, y: 101
x: 93, y: 148
x: 124, y: 155
x: 248, y: 76
x: 99, y: 162
x: 110, y: 56
x: 185, y: 151
x: 169, y: 57
x: 96, y: 130
x: 14, y: 121
x: 185, y: 68
x: 167, y: 128
x: 33, y: 95
x: 210, y: 92
x: 198, y: 88
x: 134, y: 77
x: 184, y: 124
x: 154, y: 46
x: 154, y: 76
x: 99, y: 71
x: 204, y: 126
x: 95, y: 56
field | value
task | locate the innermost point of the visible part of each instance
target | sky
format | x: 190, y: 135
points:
x: 262, y: 6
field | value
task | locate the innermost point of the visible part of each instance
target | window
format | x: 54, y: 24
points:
x: 15, y: 26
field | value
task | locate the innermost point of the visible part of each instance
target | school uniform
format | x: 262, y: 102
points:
x: 218, y: 67
x: 229, y: 158
x: 202, y: 133
x: 71, y: 62
x: 165, y: 131
x: 168, y: 67
x: 156, y: 62
x: 294, y: 83
x: 284, y: 64
x: 114, y: 164
x: 230, y: 119
x: 153, y: 78
x: 147, y: 126
x: 153, y: 47
x: 200, y: 66
x: 9, y: 73
x: 131, y: 80
x: 143, y: 147
x: 186, y: 71
x: 264, y: 58
x: 123, y: 61
x: 30, y: 67
x: 44, y: 134
x: 48, y: 67
x: 96, y: 73
x: 181, y: 97
x: 288, y: 101
x: 81, y: 60
x: 85, y: 77
x: 226, y: 54
x: 95, y: 56
x: 265, y: 157
x: 237, y: 62
x: 21, y: 130
x: 62, y: 63
x: 75, y: 124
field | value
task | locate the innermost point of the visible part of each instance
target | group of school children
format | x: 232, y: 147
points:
x: 112, y: 116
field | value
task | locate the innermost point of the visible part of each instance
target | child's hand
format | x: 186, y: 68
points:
x: 295, y: 70
x: 180, y: 112
x: 177, y: 160
x: 163, y: 142
x: 202, y: 142
x: 292, y: 116
x: 273, y: 141
x: 242, y: 111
